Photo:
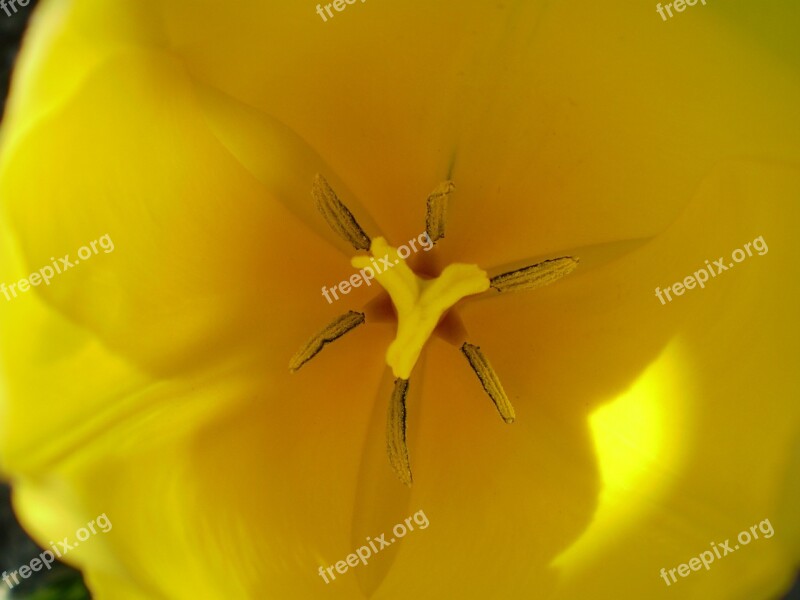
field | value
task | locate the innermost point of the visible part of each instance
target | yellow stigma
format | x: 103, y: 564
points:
x: 420, y: 303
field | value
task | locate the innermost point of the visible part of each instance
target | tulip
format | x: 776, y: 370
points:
x: 221, y: 148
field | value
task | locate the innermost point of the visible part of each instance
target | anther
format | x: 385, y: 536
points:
x: 534, y: 276
x: 489, y: 380
x: 396, y: 445
x: 337, y: 215
x: 333, y: 331
x: 436, y: 215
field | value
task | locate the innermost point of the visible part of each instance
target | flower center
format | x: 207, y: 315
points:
x: 420, y: 303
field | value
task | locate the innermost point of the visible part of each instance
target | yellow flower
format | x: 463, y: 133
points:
x: 150, y: 383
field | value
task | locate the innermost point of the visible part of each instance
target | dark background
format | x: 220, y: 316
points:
x: 16, y: 548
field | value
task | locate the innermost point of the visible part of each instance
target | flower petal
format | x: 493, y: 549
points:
x: 196, y: 269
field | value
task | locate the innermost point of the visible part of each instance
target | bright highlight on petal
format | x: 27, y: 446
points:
x: 638, y: 452
x: 419, y: 303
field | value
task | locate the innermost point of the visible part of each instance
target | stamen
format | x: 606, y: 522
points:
x: 337, y: 215
x: 333, y: 331
x: 396, y: 445
x: 489, y: 380
x: 436, y: 216
x: 534, y: 276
